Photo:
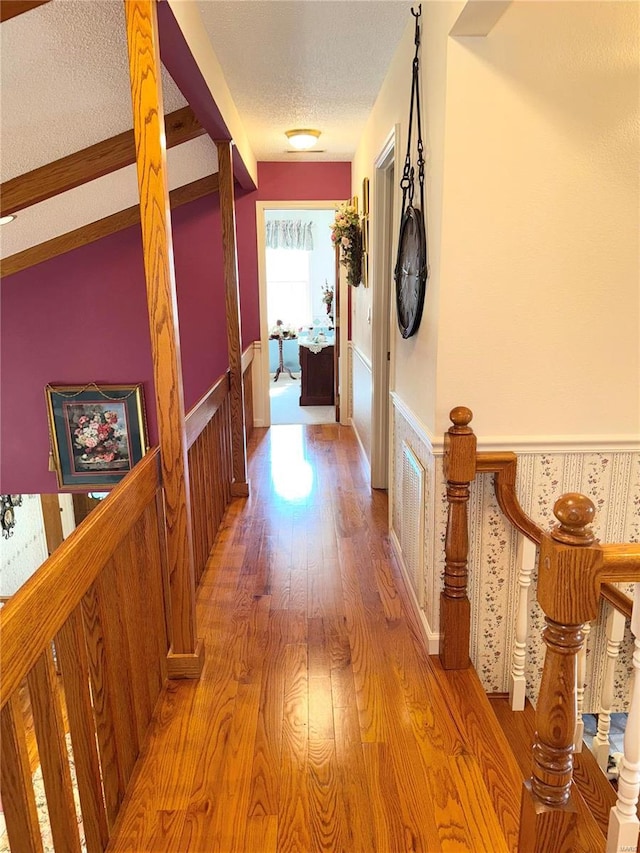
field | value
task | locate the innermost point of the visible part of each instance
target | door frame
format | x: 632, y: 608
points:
x: 386, y: 220
x: 261, y: 400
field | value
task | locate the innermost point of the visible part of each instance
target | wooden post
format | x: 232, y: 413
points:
x: 455, y: 608
x: 239, y: 485
x: 186, y: 655
x: 548, y: 815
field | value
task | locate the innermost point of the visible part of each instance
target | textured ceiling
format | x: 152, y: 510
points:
x: 65, y: 82
x: 309, y: 63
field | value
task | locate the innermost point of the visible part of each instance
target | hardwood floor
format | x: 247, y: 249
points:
x: 319, y: 723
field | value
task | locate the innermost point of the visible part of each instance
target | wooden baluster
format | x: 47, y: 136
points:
x: 18, y: 800
x: 568, y: 600
x: 582, y: 680
x: 615, y: 634
x: 517, y: 679
x: 455, y: 608
x: 623, y: 820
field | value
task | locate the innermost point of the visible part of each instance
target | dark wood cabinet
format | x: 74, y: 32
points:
x: 317, y: 377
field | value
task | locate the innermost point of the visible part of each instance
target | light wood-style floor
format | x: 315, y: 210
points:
x: 318, y: 723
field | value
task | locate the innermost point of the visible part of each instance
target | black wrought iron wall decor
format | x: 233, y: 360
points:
x: 7, y: 513
x: 412, y: 267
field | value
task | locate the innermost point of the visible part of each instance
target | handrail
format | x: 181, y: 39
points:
x: 206, y: 407
x: 504, y: 465
x: 617, y: 599
x: 38, y: 611
x: 201, y: 413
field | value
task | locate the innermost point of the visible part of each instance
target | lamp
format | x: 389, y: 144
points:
x: 303, y: 138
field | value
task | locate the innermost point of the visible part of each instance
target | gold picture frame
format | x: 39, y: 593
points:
x: 98, y: 433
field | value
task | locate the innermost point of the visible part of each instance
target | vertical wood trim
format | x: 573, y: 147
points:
x: 18, y: 801
x: 52, y: 521
x: 239, y: 486
x: 148, y: 117
x: 74, y: 663
x: 52, y: 749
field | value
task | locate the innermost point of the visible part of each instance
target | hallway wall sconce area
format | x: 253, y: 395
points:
x: 302, y: 138
x: 8, y: 503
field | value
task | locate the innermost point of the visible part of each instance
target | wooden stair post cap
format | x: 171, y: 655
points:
x: 575, y: 512
x: 460, y: 416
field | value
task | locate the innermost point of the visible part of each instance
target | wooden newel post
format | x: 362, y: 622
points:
x: 455, y: 609
x: 568, y: 596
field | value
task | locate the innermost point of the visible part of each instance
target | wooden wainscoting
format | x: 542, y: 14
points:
x: 210, y: 472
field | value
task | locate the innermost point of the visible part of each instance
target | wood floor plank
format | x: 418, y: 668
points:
x: 262, y: 834
x: 354, y: 781
x: 293, y: 812
x: 478, y: 811
x: 328, y: 821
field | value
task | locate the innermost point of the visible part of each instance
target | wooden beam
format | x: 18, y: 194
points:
x: 186, y: 656
x: 90, y: 163
x: 12, y: 8
x: 101, y: 228
x: 239, y: 485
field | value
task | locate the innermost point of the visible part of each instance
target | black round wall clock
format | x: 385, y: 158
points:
x: 411, y: 271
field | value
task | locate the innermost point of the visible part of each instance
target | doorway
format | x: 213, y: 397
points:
x: 385, y: 219
x: 297, y: 312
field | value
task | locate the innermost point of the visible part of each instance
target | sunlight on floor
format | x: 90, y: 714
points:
x: 291, y: 474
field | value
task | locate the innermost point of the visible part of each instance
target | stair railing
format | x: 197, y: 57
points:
x: 573, y: 570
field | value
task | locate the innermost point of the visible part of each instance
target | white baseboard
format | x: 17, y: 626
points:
x: 432, y: 638
x: 363, y: 452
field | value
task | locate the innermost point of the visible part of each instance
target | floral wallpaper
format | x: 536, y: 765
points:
x: 610, y: 479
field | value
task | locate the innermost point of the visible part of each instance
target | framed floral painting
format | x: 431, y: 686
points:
x: 98, y: 433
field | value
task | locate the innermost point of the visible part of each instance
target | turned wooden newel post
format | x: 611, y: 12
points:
x: 455, y: 609
x: 568, y: 595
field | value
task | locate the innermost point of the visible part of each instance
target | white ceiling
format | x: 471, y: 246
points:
x: 304, y: 63
x: 64, y: 86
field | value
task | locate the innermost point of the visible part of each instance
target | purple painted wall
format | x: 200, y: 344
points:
x: 82, y: 316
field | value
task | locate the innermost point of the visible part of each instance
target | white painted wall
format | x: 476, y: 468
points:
x: 25, y: 551
x: 532, y: 312
x: 413, y: 361
x: 539, y: 301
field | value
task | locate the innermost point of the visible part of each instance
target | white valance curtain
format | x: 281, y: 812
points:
x: 289, y: 234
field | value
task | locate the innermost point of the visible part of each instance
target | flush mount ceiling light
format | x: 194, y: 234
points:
x: 303, y: 138
x: 6, y: 219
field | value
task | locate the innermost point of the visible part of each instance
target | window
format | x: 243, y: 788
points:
x: 288, y: 287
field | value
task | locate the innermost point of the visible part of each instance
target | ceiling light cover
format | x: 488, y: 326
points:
x: 303, y: 138
x: 4, y: 220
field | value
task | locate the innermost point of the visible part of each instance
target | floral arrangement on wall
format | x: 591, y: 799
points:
x: 99, y: 437
x: 347, y: 235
